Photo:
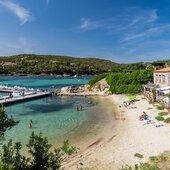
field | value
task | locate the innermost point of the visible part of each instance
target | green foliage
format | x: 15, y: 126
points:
x: 154, y: 92
x: 138, y: 155
x: 163, y: 113
x: 150, y: 101
x: 50, y: 64
x: 160, y: 108
x: 80, y: 167
x: 5, y: 122
x: 127, y: 68
x: 97, y: 78
x: 159, y: 118
x: 153, y: 158
x: 41, y: 157
x: 167, y: 120
x: 142, y: 166
x: 5, y: 166
x: 11, y: 156
x: 164, y: 157
x: 129, y: 83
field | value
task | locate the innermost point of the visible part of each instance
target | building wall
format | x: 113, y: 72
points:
x: 168, y: 79
x: 162, y: 79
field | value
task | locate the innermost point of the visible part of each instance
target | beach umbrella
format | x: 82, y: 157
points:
x: 132, y: 97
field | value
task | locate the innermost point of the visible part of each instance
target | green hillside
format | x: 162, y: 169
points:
x: 52, y: 65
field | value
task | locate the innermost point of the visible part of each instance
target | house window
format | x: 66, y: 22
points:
x: 156, y: 78
x: 159, y: 78
x: 163, y: 79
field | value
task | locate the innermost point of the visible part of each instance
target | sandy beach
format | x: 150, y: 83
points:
x: 129, y: 137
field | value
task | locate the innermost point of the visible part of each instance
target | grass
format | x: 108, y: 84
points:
x: 138, y: 155
x: 149, y: 108
x: 160, y: 108
x: 142, y: 166
x: 153, y: 159
x: 159, y: 118
x: 167, y: 120
x: 155, y: 163
x: 163, y: 113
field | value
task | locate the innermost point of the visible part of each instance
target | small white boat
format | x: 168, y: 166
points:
x: 1, y: 97
x: 16, y: 94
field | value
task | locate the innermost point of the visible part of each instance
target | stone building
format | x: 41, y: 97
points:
x: 162, y: 77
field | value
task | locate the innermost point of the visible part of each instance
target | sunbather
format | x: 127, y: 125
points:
x: 143, y: 116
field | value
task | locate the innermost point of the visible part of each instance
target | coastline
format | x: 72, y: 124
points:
x: 94, y: 155
x: 131, y: 136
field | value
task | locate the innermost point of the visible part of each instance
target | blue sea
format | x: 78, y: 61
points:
x: 56, y: 117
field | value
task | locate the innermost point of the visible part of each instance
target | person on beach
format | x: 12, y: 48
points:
x: 81, y: 107
x: 143, y: 116
x: 30, y: 125
x: 77, y: 108
x: 10, y: 95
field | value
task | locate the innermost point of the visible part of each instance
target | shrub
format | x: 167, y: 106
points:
x: 41, y: 156
x: 163, y: 113
x: 126, y: 83
x: 150, y: 101
x: 159, y: 118
x: 138, y: 155
x: 97, y: 78
x: 149, y: 108
x: 142, y: 166
x: 167, y: 120
x: 153, y: 158
x: 160, y: 108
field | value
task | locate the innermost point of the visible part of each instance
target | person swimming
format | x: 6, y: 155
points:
x: 81, y: 107
x: 30, y: 121
x: 77, y: 108
x: 30, y: 125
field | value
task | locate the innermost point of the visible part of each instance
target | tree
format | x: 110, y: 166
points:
x: 41, y: 157
x: 38, y: 147
x: 5, y: 122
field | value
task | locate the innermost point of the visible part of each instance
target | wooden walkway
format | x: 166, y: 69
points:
x: 24, y: 98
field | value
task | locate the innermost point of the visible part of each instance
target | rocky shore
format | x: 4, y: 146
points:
x: 99, y: 89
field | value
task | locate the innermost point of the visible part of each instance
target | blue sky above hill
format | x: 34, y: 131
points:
x: 122, y: 31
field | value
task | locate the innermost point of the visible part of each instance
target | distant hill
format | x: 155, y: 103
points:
x: 30, y: 64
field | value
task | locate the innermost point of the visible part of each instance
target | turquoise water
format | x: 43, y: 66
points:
x: 44, y: 81
x: 56, y: 117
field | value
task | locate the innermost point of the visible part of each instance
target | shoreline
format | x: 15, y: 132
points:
x: 132, y: 136
x: 94, y: 151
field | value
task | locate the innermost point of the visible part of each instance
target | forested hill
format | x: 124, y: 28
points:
x: 51, y: 65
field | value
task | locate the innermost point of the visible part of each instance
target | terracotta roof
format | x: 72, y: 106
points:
x: 163, y: 70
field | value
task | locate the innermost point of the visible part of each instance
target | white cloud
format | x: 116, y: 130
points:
x: 131, y: 51
x: 152, y: 16
x: 20, y: 12
x: 147, y: 33
x: 89, y: 25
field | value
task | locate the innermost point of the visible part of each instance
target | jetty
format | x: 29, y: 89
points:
x: 25, y: 98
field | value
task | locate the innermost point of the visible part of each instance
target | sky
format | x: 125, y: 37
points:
x: 122, y: 31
